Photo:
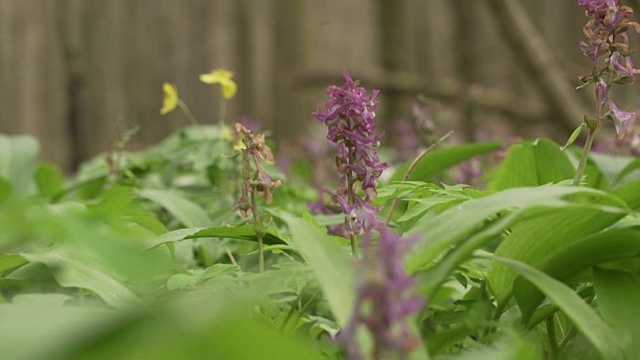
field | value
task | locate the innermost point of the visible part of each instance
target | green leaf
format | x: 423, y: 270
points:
x: 614, y: 169
x: 185, y: 211
x: 11, y: 262
x: 582, y: 254
x: 585, y: 319
x: 533, y: 163
x: 36, y: 330
x: 536, y: 240
x: 630, y: 167
x: 238, y: 232
x: 330, y: 263
x: 74, y: 270
x: 455, y: 224
x: 49, y: 179
x: 193, y: 328
x: 120, y: 208
x: 574, y: 135
x: 618, y: 299
x: 6, y: 190
x: 442, y: 159
x: 18, y: 156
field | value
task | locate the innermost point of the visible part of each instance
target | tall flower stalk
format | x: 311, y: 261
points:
x: 385, y: 301
x: 349, y: 116
x: 256, y: 181
x: 228, y: 88
x: 607, y: 37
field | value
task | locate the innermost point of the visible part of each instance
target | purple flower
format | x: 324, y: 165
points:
x: 624, y: 66
x: 349, y: 117
x: 606, y: 33
x: 621, y: 119
x: 385, y: 300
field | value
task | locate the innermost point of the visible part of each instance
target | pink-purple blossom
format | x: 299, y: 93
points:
x: 606, y: 34
x: 386, y: 299
x: 349, y: 116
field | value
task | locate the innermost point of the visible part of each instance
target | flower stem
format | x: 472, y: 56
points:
x: 585, y: 155
x: 259, y: 233
x: 350, y: 200
x: 223, y: 110
x: 551, y: 335
x: 187, y: 112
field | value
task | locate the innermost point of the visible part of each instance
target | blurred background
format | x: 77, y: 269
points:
x: 70, y: 69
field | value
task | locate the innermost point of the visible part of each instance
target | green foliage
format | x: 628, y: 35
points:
x: 150, y: 258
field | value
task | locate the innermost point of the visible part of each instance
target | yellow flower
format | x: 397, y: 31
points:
x: 226, y: 133
x: 170, y: 100
x: 239, y: 145
x: 222, y: 77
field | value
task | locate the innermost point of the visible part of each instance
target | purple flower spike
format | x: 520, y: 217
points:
x: 607, y: 34
x: 385, y: 301
x: 349, y: 116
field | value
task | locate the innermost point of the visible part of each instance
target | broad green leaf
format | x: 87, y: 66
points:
x: 548, y: 243
x: 630, y: 193
x: 442, y: 159
x: 532, y: 163
x: 49, y: 179
x: 44, y: 300
x: 11, y: 262
x: 574, y: 135
x: 197, y: 328
x: 187, y: 212
x: 6, y: 190
x: 618, y: 300
x: 611, y: 166
x: 239, y: 232
x: 441, y: 231
x: 536, y: 240
x: 119, y: 207
x: 582, y: 254
x: 513, y: 347
x: 631, y: 167
x: 585, y: 319
x: 74, y: 270
x: 33, y: 330
x: 18, y: 156
x: 330, y: 263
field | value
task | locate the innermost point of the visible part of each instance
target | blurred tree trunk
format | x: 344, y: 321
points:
x: 465, y: 61
x: 290, y: 17
x: 34, y: 75
x: 394, y: 52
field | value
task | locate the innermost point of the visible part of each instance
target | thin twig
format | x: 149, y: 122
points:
x: 414, y: 163
x: 230, y: 255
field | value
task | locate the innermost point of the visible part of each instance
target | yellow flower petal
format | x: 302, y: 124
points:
x: 229, y: 89
x: 224, y: 78
x: 239, y: 145
x: 226, y: 133
x: 170, y: 100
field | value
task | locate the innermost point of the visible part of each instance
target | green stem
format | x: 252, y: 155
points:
x: 350, y: 200
x: 259, y: 233
x: 585, y: 155
x: 551, y: 335
x: 187, y: 112
x: 223, y: 110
